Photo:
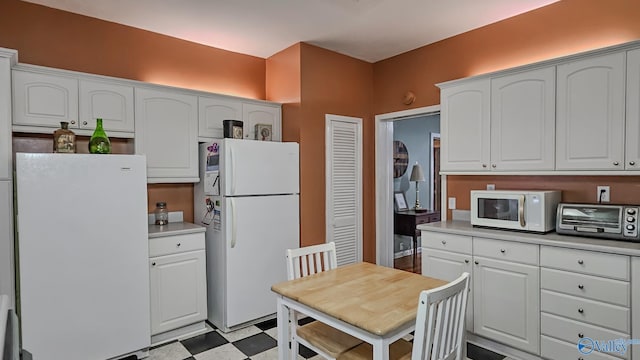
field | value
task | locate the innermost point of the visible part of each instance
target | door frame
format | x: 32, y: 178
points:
x: 384, y: 179
x: 432, y: 175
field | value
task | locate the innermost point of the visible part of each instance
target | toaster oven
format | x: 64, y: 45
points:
x: 616, y: 222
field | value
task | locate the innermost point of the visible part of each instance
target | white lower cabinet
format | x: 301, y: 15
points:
x: 506, y: 307
x: 178, y: 281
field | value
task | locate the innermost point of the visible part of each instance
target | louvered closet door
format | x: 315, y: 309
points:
x: 344, y: 186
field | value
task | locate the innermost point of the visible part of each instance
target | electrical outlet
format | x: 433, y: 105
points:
x: 603, y: 194
x: 452, y: 203
x: 491, y: 186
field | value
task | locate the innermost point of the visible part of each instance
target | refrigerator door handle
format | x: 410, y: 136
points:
x: 233, y: 223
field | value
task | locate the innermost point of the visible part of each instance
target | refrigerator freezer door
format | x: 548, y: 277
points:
x: 83, y: 248
x: 258, y: 231
x: 251, y: 167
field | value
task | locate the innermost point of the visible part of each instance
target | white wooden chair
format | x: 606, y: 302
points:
x: 328, y: 342
x: 439, y: 333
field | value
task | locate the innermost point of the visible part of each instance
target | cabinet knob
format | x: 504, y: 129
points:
x: 580, y: 261
x: 581, y: 310
x: 444, y: 242
x: 484, y: 166
x: 632, y: 163
x: 580, y: 358
x: 84, y: 123
x: 493, y: 166
x: 616, y: 163
x: 73, y: 122
x: 580, y: 286
x: 178, y: 244
x: 580, y: 335
x: 153, y: 263
x: 466, y: 261
x: 476, y: 262
x: 503, y: 251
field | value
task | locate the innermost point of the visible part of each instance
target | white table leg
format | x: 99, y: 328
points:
x: 380, y: 350
x: 283, y: 330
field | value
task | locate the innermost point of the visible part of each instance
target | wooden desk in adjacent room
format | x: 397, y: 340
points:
x: 405, y: 223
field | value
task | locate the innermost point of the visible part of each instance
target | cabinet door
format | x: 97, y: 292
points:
x: 632, y: 148
x: 254, y: 114
x: 465, y: 127
x: 506, y: 303
x: 449, y: 266
x: 113, y: 103
x: 6, y: 161
x: 44, y: 100
x: 167, y: 133
x: 523, y: 117
x: 178, y: 290
x: 212, y: 111
x: 590, y: 114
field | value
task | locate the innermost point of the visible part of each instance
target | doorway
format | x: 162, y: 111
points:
x: 385, y: 180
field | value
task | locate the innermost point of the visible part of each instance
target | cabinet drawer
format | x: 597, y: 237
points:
x: 506, y: 250
x: 555, y: 349
x: 586, y: 262
x: 572, y: 331
x: 593, y: 312
x: 176, y: 244
x: 591, y: 287
x: 448, y: 242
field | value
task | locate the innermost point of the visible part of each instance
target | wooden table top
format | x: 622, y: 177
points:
x: 374, y: 298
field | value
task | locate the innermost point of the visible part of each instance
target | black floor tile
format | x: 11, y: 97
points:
x: 305, y: 352
x: 204, y: 342
x: 266, y: 325
x: 477, y: 353
x: 255, y: 344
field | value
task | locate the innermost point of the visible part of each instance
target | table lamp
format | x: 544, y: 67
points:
x: 417, y: 175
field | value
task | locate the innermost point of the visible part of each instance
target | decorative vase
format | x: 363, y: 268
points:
x: 64, y: 140
x: 99, y: 142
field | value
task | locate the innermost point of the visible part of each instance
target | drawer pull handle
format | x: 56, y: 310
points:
x: 581, y: 310
x: 581, y: 358
x: 466, y: 261
x: 580, y: 261
x: 580, y: 286
x: 476, y: 262
x: 444, y: 242
x: 153, y: 263
x: 84, y: 123
x: 178, y: 245
x: 616, y: 163
x: 580, y: 335
x: 502, y: 251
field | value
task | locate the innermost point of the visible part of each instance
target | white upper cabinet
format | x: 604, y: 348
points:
x: 465, y: 126
x: 523, y: 121
x: 632, y: 151
x: 113, y: 103
x: 6, y: 163
x: 166, y: 131
x: 259, y: 114
x: 590, y: 113
x: 213, y: 111
x: 44, y: 100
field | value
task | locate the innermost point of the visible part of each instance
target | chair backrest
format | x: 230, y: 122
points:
x: 440, y: 320
x: 310, y: 260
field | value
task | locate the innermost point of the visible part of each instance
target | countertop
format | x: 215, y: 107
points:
x: 551, y: 238
x: 174, y: 228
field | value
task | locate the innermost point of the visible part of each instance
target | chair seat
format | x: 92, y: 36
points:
x: 399, y: 350
x: 330, y: 340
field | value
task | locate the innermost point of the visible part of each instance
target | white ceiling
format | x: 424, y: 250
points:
x: 369, y: 30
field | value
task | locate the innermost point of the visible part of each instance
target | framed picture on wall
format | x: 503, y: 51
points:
x: 400, y: 201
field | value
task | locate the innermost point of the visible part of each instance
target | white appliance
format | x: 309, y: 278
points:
x: 518, y: 210
x: 248, y: 198
x: 83, y: 255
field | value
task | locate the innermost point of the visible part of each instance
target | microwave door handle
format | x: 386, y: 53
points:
x: 523, y: 223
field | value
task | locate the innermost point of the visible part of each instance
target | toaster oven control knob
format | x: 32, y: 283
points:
x: 631, y: 227
x: 631, y: 219
x: 631, y: 211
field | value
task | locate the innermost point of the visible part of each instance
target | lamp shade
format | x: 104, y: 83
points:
x: 416, y: 173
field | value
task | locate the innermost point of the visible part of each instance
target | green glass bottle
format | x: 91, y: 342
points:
x: 99, y: 142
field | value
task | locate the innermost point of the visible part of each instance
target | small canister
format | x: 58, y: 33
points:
x: 232, y: 129
x: 161, y: 213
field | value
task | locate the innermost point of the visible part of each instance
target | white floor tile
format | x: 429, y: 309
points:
x: 172, y: 351
x: 240, y: 334
x: 273, y: 332
x: 271, y: 354
x: 224, y: 352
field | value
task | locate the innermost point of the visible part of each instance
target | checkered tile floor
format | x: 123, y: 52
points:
x: 257, y: 342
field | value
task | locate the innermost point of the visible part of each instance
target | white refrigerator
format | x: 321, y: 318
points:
x: 248, y: 197
x: 83, y: 255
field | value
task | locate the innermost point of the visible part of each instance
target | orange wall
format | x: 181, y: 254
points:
x: 562, y: 28
x: 59, y: 39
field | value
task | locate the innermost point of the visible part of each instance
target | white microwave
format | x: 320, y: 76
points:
x: 517, y: 210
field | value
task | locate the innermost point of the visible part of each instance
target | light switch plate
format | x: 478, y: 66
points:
x: 452, y: 203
